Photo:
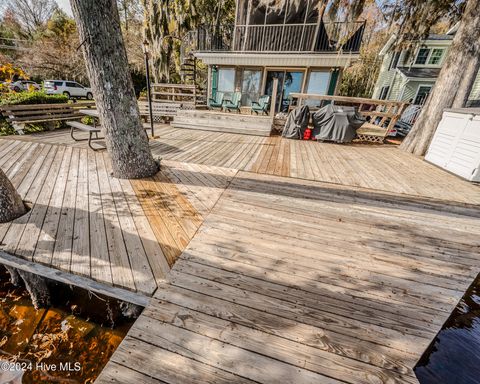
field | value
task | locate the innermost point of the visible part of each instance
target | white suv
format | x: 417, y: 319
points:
x: 71, y: 89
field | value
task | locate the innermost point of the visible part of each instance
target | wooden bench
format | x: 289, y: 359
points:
x: 91, y: 129
x: 160, y: 111
x: 21, y: 115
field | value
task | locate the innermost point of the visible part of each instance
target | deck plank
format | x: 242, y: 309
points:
x: 121, y: 269
x: 99, y: 256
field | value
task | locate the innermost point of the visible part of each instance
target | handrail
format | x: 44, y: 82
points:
x: 345, y: 99
x: 270, y: 38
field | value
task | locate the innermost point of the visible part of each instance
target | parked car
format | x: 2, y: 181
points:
x: 24, y: 85
x: 70, y: 89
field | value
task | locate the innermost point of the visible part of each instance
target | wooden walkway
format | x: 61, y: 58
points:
x: 276, y: 261
x: 83, y: 221
x: 290, y: 281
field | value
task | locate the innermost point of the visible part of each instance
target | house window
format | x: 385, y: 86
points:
x: 394, y: 62
x: 422, y: 56
x: 422, y: 94
x: 251, y: 83
x: 435, y: 57
x: 318, y: 82
x: 384, y: 93
x: 226, y: 80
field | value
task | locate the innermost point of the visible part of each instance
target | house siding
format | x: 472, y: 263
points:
x: 400, y: 88
x: 395, y: 89
x: 385, y: 76
x: 475, y: 94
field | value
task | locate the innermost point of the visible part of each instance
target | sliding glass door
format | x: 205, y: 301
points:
x: 288, y: 82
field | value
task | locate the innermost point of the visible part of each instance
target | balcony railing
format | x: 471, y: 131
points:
x: 324, y: 37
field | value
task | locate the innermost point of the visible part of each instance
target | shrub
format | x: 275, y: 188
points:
x: 25, y: 98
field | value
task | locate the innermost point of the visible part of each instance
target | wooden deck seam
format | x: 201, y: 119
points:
x: 243, y: 348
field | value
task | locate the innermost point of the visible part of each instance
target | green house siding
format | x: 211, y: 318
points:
x: 214, y: 81
x: 333, y: 82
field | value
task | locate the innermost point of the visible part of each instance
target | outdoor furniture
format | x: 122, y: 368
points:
x: 233, y: 103
x: 262, y: 105
x: 217, y: 101
x: 91, y: 129
x: 21, y: 115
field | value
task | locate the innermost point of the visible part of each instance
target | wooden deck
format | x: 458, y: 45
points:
x: 278, y: 261
x: 379, y: 167
x: 83, y: 221
x: 290, y: 281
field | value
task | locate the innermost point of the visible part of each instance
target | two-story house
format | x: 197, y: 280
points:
x: 410, y: 76
x: 287, y: 40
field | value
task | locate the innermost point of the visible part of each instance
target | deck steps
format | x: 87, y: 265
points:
x: 223, y: 122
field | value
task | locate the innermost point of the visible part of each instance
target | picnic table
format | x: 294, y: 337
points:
x: 91, y: 129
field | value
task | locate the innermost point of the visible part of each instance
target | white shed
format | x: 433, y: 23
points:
x: 456, y: 144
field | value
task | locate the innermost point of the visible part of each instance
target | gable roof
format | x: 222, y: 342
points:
x: 420, y: 73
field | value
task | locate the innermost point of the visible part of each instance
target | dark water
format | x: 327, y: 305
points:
x: 454, y: 355
x: 69, y: 342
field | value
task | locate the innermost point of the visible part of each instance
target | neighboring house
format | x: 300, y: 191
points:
x: 410, y: 76
x: 283, y: 39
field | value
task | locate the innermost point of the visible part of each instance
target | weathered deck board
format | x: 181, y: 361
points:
x: 89, y: 224
x: 379, y: 167
x: 298, y: 281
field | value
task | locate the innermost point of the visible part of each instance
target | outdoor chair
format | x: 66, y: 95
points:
x: 261, y: 106
x: 233, y: 103
x: 217, y: 101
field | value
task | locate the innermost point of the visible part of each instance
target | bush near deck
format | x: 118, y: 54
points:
x: 25, y: 98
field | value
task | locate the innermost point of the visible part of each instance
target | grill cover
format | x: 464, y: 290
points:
x: 336, y: 123
x: 297, y: 123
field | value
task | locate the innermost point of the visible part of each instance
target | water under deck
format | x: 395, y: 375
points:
x: 275, y: 260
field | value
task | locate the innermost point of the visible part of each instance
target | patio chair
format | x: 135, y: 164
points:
x: 217, y: 101
x: 233, y: 103
x: 262, y: 105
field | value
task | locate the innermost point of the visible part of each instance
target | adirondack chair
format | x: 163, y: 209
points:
x: 217, y: 101
x: 261, y: 106
x: 233, y: 103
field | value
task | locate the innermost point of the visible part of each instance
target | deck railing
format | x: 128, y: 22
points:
x: 324, y: 37
x: 411, y: 114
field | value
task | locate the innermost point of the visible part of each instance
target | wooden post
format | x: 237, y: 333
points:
x: 209, y: 83
x: 273, y: 100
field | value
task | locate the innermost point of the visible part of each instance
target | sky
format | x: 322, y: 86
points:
x: 65, y: 5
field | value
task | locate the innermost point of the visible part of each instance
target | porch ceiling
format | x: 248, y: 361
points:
x: 278, y: 59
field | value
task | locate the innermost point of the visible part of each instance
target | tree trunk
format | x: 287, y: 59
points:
x: 469, y: 76
x: 98, y: 23
x: 450, y: 84
x: 36, y: 286
x: 11, y: 204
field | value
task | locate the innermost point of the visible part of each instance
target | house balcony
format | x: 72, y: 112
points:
x: 326, y: 37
